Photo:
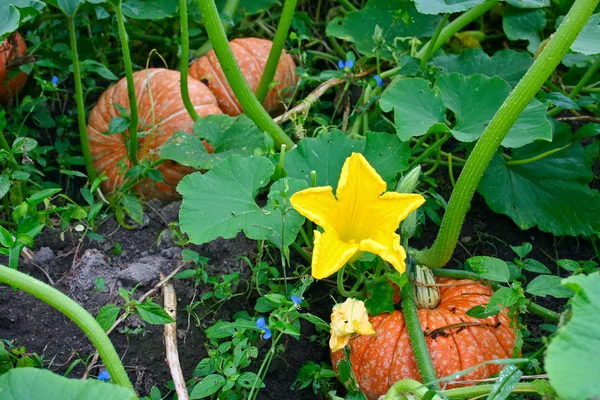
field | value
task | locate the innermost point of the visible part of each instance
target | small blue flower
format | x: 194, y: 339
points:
x: 348, y: 64
x: 262, y: 325
x: 379, y: 80
x: 297, y: 300
x: 55, y: 80
x: 104, y: 376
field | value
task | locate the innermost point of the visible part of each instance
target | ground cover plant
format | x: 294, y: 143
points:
x: 380, y: 199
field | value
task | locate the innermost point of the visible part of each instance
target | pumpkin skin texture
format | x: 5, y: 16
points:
x: 12, y: 47
x: 161, y: 88
x: 387, y: 357
x: 251, y: 55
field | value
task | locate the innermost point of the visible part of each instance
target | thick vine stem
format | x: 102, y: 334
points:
x: 417, y: 390
x: 229, y: 10
x: 411, y: 386
x: 75, y: 313
x: 455, y: 26
x: 287, y: 15
x: 184, y: 60
x: 133, y: 109
x: 249, y: 102
x: 441, y: 251
x: 83, y: 135
x: 531, y: 306
x: 417, y: 339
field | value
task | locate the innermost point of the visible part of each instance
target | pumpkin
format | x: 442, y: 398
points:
x: 12, y: 49
x: 161, y: 113
x: 455, y: 341
x: 251, y: 55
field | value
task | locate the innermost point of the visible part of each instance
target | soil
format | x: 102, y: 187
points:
x: 74, y: 265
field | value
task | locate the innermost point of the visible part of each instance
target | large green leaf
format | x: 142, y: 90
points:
x: 222, y: 203
x: 552, y: 192
x: 507, y: 64
x: 475, y: 99
x: 38, y: 384
x: 150, y: 9
x: 327, y: 153
x: 418, y: 108
x: 435, y: 7
x: 228, y: 135
x: 523, y: 24
x: 395, y: 18
x: 529, y: 3
x: 573, y: 361
x: 588, y: 40
x: 9, y: 20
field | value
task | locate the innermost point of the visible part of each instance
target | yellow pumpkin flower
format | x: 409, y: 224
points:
x: 348, y: 318
x: 364, y: 217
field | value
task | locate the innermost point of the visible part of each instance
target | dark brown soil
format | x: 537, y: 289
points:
x: 39, y: 328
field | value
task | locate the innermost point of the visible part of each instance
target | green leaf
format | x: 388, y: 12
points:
x: 69, y: 7
x: 532, y: 265
x: 228, y: 135
x: 96, y: 67
x: 223, y: 200
x: 107, y: 316
x: 118, y: 125
x: 490, y: 268
x: 568, y: 265
x: 559, y: 100
x: 507, y: 380
x: 40, y: 196
x: 435, y: 7
x: 395, y: 18
x: 207, y: 386
x: 327, y: 153
x: 507, y: 64
x: 6, y: 238
x: 572, y: 360
x: 551, y: 193
x: 133, y: 208
x: 9, y: 21
x: 416, y: 114
x: 524, y: 24
x: 548, y: 285
x: 588, y: 40
x: 381, y: 297
x: 522, y: 250
x: 4, y: 185
x: 503, y: 297
x: 153, y: 314
x: 36, y: 384
x: 475, y: 99
x: 149, y: 9
x: 529, y: 3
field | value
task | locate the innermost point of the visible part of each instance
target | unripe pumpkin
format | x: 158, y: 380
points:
x: 455, y: 341
x: 12, y: 48
x: 251, y: 55
x: 161, y: 113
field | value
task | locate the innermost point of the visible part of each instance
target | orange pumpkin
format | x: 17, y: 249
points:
x: 455, y: 341
x: 251, y: 55
x: 12, y: 48
x: 161, y: 113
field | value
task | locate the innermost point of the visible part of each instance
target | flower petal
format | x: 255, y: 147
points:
x: 330, y: 254
x: 386, y: 213
x: 359, y: 186
x: 386, y: 246
x: 337, y: 343
x: 318, y: 205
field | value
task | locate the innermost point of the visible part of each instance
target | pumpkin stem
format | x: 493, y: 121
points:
x: 185, y: 59
x: 425, y: 292
x: 250, y: 104
x: 417, y: 339
x: 485, y: 149
x: 75, y: 313
x: 287, y: 15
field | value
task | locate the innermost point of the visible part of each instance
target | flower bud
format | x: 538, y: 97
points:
x: 409, y: 182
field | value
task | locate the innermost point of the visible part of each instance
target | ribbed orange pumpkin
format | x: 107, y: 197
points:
x: 383, y: 359
x: 11, y: 49
x: 251, y: 55
x: 161, y: 113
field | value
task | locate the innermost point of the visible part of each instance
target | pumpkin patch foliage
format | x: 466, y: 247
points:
x: 328, y: 199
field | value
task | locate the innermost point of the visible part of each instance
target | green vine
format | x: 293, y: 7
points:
x: 249, y: 102
x: 441, y: 251
x: 287, y: 15
x: 133, y: 109
x: 75, y: 313
x: 83, y: 134
x: 184, y: 60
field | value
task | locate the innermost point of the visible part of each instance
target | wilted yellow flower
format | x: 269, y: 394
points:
x: 347, y: 319
x: 364, y: 217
